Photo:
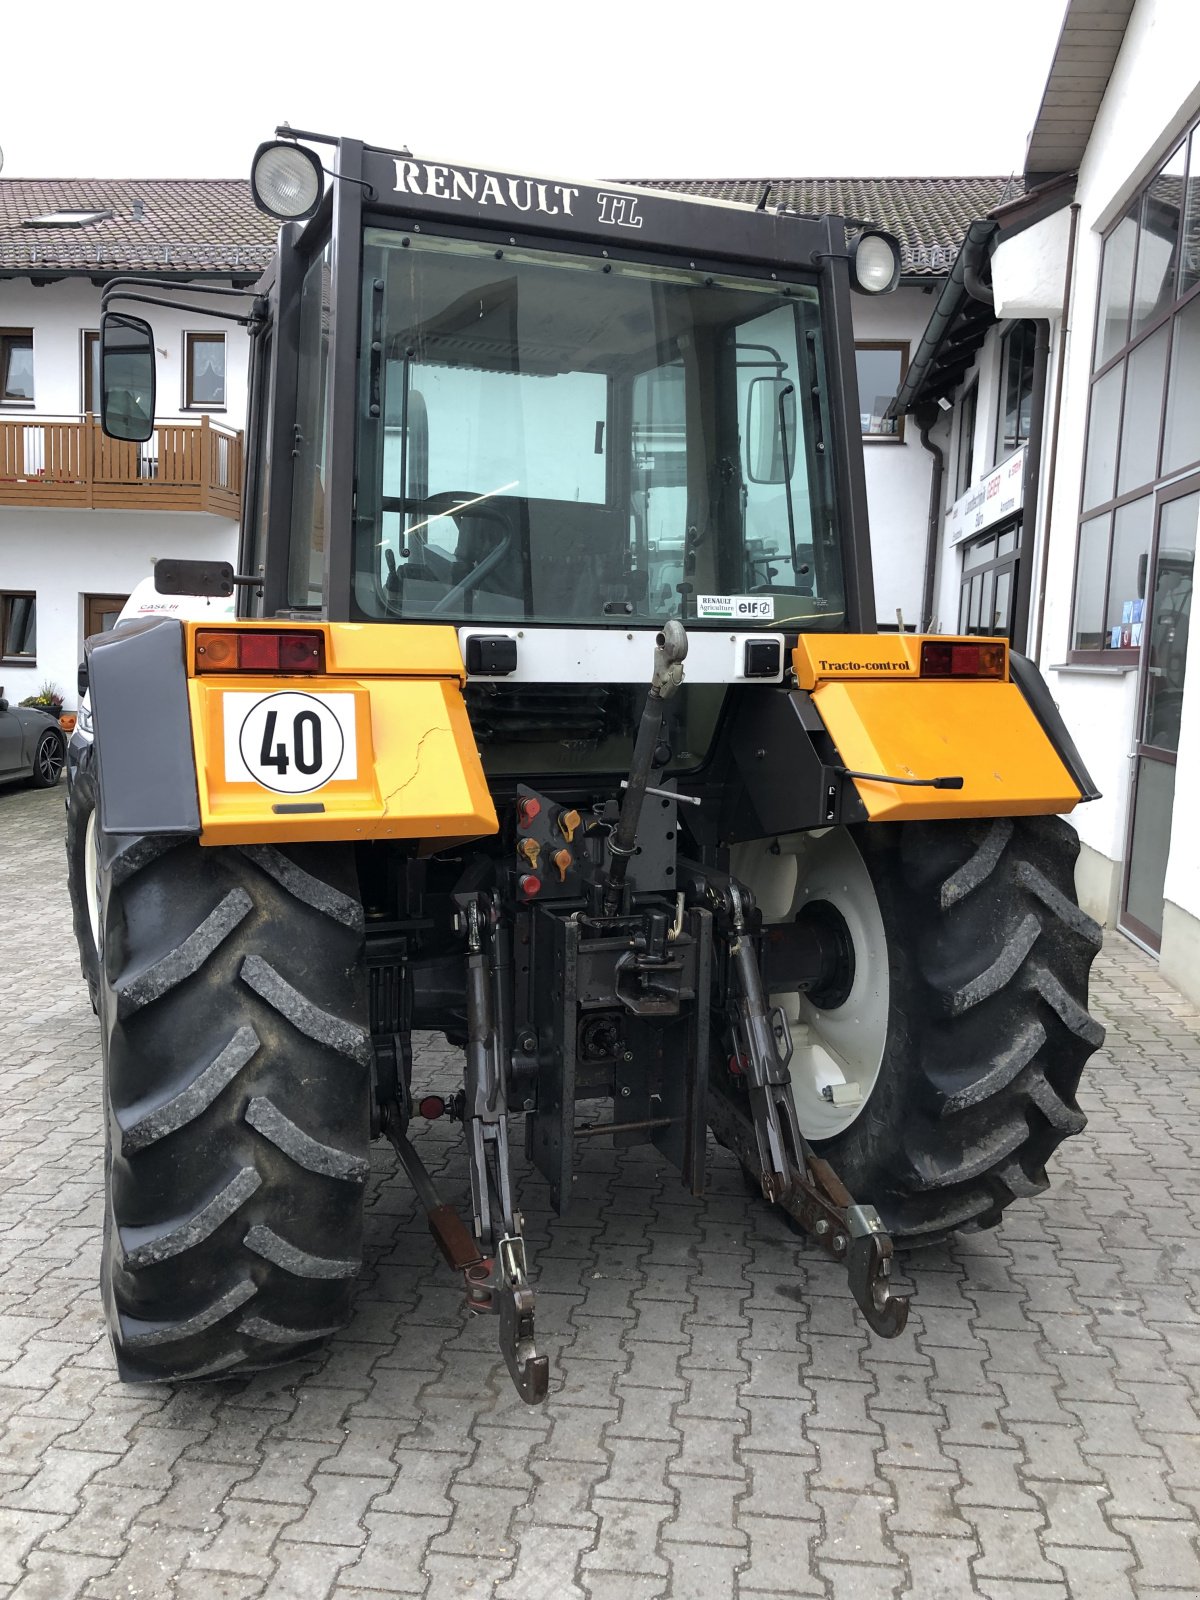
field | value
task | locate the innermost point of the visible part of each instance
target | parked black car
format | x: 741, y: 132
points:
x: 32, y: 745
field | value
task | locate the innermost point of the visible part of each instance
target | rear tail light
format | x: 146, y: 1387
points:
x: 257, y: 650
x: 952, y: 658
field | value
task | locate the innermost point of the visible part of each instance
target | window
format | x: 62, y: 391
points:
x: 310, y: 457
x: 1143, y: 413
x: 18, y: 627
x: 1016, y: 389
x: 989, y: 574
x: 100, y: 612
x: 881, y: 369
x: 16, y: 366
x: 91, y: 371
x: 204, y: 371
x: 966, y: 441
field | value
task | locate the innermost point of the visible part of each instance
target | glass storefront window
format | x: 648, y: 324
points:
x: 1088, y: 632
x: 1100, y: 466
x: 1116, y: 281
x: 1189, y: 253
x: 1181, y: 436
x: 1132, y: 527
x: 1143, y: 404
x: 1158, y: 243
x: 1144, y: 408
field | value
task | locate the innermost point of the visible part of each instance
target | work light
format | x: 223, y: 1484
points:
x: 876, y: 263
x: 286, y: 180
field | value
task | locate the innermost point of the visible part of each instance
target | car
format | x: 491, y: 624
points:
x: 32, y: 745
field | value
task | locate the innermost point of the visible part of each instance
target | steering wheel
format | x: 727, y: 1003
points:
x: 465, y: 576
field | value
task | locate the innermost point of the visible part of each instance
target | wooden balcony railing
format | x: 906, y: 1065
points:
x: 184, y: 466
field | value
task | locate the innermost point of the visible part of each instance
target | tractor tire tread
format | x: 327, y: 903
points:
x: 237, y: 1075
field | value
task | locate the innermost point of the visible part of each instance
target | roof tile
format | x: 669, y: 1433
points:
x: 185, y: 225
x: 929, y: 216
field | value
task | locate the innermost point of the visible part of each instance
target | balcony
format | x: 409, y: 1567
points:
x: 70, y: 463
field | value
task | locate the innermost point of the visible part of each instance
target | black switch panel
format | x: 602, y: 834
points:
x: 492, y: 655
x: 762, y: 658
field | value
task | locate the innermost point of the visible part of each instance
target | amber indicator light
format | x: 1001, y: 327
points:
x: 952, y: 658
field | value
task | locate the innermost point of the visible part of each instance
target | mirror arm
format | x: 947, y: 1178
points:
x: 250, y: 319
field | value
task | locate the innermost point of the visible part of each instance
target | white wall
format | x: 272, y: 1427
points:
x: 58, y: 314
x: 64, y: 555
x: 897, y: 474
x: 1153, y: 94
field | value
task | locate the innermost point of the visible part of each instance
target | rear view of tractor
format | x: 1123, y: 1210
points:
x: 552, y: 718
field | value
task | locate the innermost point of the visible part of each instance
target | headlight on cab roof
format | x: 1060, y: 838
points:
x: 875, y: 263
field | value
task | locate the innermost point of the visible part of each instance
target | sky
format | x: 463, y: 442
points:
x: 835, y: 88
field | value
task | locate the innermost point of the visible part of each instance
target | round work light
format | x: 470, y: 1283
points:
x: 286, y: 180
x: 876, y: 263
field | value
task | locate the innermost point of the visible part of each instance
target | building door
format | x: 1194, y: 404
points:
x: 100, y: 612
x: 989, y: 582
x: 1166, y: 607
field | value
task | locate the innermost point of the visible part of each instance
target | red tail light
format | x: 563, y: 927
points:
x: 954, y: 658
x: 257, y: 650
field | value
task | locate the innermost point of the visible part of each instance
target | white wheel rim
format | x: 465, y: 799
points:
x: 91, y: 877
x: 839, y: 1050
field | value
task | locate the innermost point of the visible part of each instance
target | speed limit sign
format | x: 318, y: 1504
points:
x: 289, y: 742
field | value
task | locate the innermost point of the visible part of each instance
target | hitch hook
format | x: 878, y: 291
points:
x: 869, y: 1266
x: 528, y: 1368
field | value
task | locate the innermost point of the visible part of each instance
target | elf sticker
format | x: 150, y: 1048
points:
x: 737, y: 607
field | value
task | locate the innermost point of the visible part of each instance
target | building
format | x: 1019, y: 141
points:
x: 82, y: 517
x: 1068, y: 356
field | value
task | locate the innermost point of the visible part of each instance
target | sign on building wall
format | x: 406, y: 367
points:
x: 988, y: 501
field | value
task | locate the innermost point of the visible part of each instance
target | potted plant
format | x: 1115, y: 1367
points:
x: 49, y: 699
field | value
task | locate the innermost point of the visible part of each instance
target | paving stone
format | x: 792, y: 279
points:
x: 720, y: 1422
x: 55, y: 1575
x: 938, y: 1568
x: 704, y: 1512
x: 627, y: 1540
x: 1166, y: 1553
x: 781, y: 1559
x: 248, y: 1530
x: 335, y: 1512
x: 391, y: 1561
x: 480, y: 1524
x: 853, y: 1582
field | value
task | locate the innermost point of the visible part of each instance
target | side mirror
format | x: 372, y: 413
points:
x: 126, y: 377
x: 771, y: 430
x: 3, y: 701
x: 81, y: 681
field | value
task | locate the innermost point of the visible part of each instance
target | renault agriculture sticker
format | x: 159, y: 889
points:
x: 289, y: 742
x: 737, y: 607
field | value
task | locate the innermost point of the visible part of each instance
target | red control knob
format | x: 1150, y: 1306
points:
x: 527, y: 810
x: 529, y: 884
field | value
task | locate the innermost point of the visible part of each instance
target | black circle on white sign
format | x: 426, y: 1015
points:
x: 290, y: 742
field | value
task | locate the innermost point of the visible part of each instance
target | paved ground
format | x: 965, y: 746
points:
x: 719, y: 1424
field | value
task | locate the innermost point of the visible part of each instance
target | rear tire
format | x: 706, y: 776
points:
x: 237, y: 1083
x: 987, y: 1029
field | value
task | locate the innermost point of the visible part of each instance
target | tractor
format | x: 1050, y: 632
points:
x: 546, y: 709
